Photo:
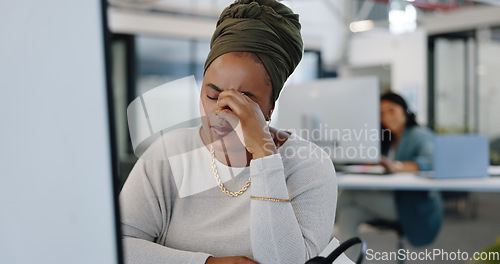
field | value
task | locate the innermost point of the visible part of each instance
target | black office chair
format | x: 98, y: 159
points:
x: 395, y: 226
x: 341, y: 249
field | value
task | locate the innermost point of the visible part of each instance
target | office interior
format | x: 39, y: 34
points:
x: 443, y: 65
x: 440, y: 55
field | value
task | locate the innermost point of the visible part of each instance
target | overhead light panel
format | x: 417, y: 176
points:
x: 360, y: 26
x: 402, y: 17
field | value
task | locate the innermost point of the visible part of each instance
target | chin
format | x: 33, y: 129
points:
x: 223, y: 143
x: 390, y: 127
x: 228, y: 143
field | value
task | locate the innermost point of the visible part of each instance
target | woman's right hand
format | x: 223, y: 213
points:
x: 386, y: 163
x: 230, y: 260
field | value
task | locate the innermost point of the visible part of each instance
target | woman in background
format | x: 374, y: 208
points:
x: 406, y: 147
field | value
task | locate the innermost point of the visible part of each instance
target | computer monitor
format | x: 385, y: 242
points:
x: 340, y: 115
x: 57, y: 200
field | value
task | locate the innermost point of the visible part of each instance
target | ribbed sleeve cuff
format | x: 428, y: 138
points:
x: 424, y: 164
x: 201, y: 257
x: 268, y: 177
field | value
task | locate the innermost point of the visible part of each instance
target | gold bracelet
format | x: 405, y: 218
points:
x: 270, y: 199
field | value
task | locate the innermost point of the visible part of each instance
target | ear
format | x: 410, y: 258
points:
x: 270, y: 113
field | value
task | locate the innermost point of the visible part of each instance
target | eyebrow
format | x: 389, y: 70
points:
x: 216, y: 88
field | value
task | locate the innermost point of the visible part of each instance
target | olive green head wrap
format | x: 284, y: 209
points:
x: 264, y: 27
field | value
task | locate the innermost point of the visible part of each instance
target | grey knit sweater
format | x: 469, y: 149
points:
x: 173, y: 211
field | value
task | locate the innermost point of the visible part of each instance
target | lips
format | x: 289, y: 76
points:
x: 221, y: 131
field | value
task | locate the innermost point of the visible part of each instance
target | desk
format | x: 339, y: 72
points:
x: 412, y: 182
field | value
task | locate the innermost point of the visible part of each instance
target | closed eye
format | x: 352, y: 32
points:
x: 212, y: 98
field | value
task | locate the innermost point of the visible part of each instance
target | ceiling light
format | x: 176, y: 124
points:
x: 402, y: 17
x: 360, y: 26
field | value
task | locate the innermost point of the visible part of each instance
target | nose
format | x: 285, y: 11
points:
x: 385, y: 119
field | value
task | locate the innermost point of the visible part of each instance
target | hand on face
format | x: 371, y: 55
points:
x: 246, y: 118
x: 386, y: 163
x: 236, y: 94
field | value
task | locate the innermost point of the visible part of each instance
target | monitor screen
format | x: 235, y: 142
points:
x: 56, y: 195
x: 342, y: 116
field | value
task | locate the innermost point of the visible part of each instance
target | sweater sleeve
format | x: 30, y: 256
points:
x: 294, y: 232
x: 424, y: 158
x: 144, y: 215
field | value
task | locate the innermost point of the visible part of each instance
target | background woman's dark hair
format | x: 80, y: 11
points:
x: 411, y: 121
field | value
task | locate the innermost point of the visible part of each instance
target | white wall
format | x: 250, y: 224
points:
x: 324, y: 28
x: 56, y: 199
x: 409, y: 71
x: 406, y: 55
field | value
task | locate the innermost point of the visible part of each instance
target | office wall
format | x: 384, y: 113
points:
x: 406, y: 55
x: 56, y: 200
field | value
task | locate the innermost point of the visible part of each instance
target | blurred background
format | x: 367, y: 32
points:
x: 69, y: 69
x: 443, y: 56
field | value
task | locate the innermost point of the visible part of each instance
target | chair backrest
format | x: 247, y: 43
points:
x: 334, y: 243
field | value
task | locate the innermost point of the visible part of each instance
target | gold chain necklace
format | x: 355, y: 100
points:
x: 217, y: 178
